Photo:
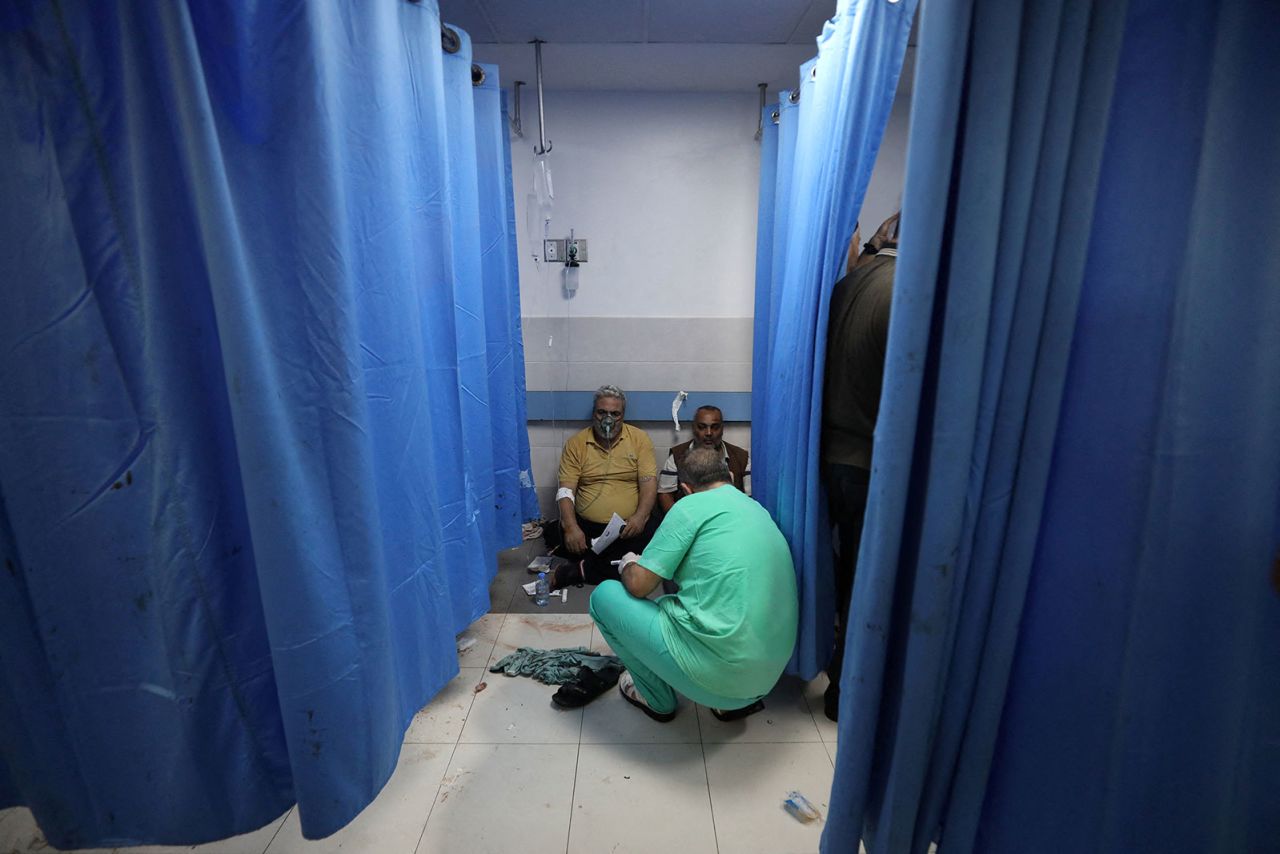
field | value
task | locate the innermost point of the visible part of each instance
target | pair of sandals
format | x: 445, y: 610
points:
x: 627, y: 687
x: 590, y: 684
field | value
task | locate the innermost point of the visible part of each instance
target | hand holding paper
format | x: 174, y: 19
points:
x: 611, y: 531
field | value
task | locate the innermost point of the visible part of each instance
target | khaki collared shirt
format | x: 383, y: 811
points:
x: 606, y: 480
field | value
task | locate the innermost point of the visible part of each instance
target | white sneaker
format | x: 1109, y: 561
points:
x: 627, y: 687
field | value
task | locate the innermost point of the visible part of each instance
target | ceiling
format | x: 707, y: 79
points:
x: 756, y: 22
x: 647, y: 45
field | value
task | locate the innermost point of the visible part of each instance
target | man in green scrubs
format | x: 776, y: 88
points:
x: 724, y: 639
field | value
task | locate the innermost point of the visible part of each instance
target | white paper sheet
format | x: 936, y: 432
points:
x: 611, y: 531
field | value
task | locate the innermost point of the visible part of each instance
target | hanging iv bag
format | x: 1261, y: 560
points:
x: 538, y: 206
x: 545, y: 191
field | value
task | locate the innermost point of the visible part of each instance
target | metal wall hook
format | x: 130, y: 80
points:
x: 516, y: 125
x: 544, y: 145
x: 764, y: 89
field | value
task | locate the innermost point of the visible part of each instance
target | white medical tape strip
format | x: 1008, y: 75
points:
x: 676, y: 403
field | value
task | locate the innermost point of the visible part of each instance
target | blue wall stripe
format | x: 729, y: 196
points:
x: 641, y: 405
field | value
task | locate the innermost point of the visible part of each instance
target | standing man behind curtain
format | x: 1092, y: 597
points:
x: 857, y: 334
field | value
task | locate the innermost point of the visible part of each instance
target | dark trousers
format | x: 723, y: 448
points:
x: 598, y: 567
x: 847, y: 488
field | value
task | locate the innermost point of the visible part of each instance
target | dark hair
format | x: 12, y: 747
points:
x: 703, y: 467
x: 709, y: 408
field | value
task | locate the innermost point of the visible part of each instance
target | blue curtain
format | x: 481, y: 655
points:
x: 821, y: 175
x: 464, y: 270
x: 1062, y: 636
x: 246, y: 449
x: 514, y: 498
x: 1144, y: 700
x: 514, y: 474
x: 770, y: 135
x: 777, y: 165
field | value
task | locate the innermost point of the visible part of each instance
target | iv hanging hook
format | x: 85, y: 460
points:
x: 764, y: 89
x: 516, y: 124
x: 544, y: 145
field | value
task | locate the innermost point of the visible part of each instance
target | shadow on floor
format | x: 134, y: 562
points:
x: 506, y: 595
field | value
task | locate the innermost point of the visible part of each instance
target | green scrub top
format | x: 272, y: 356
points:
x: 732, y: 626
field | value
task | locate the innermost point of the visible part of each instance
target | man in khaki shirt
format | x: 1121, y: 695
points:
x: 606, y: 468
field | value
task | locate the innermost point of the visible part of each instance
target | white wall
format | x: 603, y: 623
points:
x: 663, y: 187
x: 884, y: 193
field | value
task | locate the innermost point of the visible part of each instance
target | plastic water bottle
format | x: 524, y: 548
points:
x: 540, y: 590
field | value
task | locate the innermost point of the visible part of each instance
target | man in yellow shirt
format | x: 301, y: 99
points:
x: 606, y: 468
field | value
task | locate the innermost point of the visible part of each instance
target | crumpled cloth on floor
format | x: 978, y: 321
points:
x: 552, y: 666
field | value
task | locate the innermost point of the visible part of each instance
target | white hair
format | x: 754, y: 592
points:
x: 610, y: 391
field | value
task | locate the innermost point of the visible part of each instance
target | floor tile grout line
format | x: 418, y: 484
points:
x: 573, y: 795
x: 436, y: 797
x: 577, y: 761
x: 287, y: 813
x: 456, y: 742
x: 748, y: 743
x: 613, y: 741
x: 706, y: 772
x: 488, y: 661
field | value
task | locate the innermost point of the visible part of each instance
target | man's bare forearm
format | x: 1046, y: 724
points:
x: 638, y: 581
x: 568, y: 515
x: 648, y: 493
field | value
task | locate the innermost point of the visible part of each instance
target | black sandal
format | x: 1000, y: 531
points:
x: 586, y: 686
x: 730, y: 715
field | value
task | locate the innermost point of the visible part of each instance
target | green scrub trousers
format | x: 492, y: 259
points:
x: 633, y: 628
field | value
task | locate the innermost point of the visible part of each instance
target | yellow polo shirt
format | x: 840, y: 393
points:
x: 605, y: 481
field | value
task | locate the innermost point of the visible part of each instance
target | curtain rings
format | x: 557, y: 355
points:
x: 449, y: 39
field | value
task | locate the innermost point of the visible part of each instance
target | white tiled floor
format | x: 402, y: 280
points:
x: 502, y: 770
